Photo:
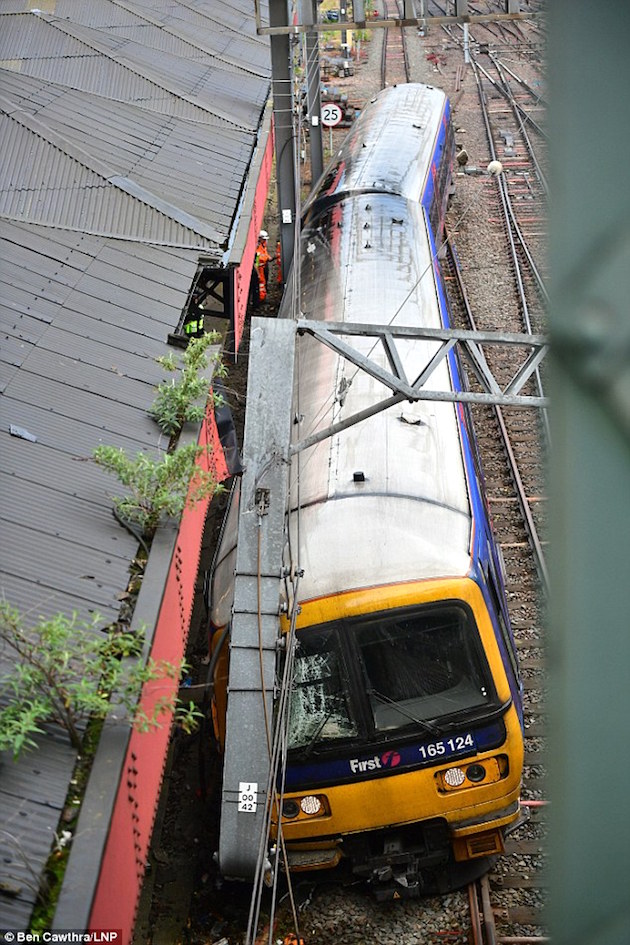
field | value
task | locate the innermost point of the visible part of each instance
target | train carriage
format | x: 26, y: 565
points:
x: 405, y: 724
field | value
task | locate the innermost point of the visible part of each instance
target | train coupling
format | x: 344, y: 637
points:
x: 387, y: 885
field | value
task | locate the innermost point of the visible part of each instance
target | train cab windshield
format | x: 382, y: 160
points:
x: 389, y: 675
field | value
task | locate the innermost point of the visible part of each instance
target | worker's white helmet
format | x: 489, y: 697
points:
x: 263, y: 235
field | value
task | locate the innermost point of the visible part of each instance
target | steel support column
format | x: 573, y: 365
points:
x: 282, y: 90
x: 313, y: 99
x: 254, y: 633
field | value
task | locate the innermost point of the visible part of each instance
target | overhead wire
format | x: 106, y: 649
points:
x: 277, y: 734
x: 279, y: 749
x: 278, y: 752
x: 283, y: 714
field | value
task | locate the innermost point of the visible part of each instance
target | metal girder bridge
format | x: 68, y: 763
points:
x: 414, y: 14
x: 390, y: 337
x: 254, y: 739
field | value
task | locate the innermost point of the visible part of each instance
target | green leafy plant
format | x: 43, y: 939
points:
x: 183, y: 398
x: 65, y: 670
x: 159, y: 487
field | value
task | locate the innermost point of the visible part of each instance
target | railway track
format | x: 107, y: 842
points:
x: 524, y: 249
x: 512, y: 895
x: 498, y: 418
x: 394, y: 56
x: 506, y: 906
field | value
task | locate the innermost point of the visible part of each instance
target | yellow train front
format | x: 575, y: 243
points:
x: 405, y: 724
x: 405, y: 743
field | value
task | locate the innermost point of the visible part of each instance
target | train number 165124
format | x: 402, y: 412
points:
x: 446, y: 746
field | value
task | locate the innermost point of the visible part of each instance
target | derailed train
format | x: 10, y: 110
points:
x: 405, y: 727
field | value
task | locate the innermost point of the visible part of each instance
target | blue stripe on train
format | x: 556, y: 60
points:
x: 364, y: 766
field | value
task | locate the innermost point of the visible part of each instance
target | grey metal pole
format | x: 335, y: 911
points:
x: 282, y: 90
x: 313, y: 98
x: 343, y: 17
x: 461, y: 9
x: 257, y: 589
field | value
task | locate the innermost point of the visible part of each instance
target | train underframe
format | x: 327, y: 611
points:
x: 408, y: 861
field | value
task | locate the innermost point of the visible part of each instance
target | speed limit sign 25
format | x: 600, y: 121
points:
x: 331, y: 114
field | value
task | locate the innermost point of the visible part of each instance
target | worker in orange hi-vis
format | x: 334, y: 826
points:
x: 262, y: 264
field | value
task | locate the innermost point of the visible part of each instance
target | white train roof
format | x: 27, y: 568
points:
x: 390, y: 145
x: 367, y: 259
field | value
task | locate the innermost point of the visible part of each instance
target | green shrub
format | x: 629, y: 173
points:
x: 64, y: 671
x: 183, y: 399
x: 159, y: 487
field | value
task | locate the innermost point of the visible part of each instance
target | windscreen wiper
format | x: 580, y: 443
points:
x: 306, y: 751
x: 422, y: 723
x: 464, y: 716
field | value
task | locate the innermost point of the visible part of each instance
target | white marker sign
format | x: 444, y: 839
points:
x: 248, y: 796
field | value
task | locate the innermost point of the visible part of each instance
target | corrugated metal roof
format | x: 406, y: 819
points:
x: 128, y: 128
x: 32, y: 796
x: 201, y: 83
x: 46, y: 180
x: 217, y: 31
x: 83, y: 320
x: 87, y: 373
x: 44, y: 48
x: 141, y: 145
x: 227, y: 29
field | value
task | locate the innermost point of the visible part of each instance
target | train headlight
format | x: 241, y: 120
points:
x: 311, y: 804
x: 475, y: 773
x: 290, y: 809
x: 471, y: 775
x: 454, y: 777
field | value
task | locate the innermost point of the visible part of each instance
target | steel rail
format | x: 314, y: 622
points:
x: 521, y: 126
x: 511, y: 233
x: 506, y: 95
x: 521, y: 494
x: 488, y: 21
x: 393, y: 43
x: 538, y: 98
x: 486, y: 933
x: 489, y: 926
x: 475, y: 915
x: 507, y: 92
x: 525, y: 115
